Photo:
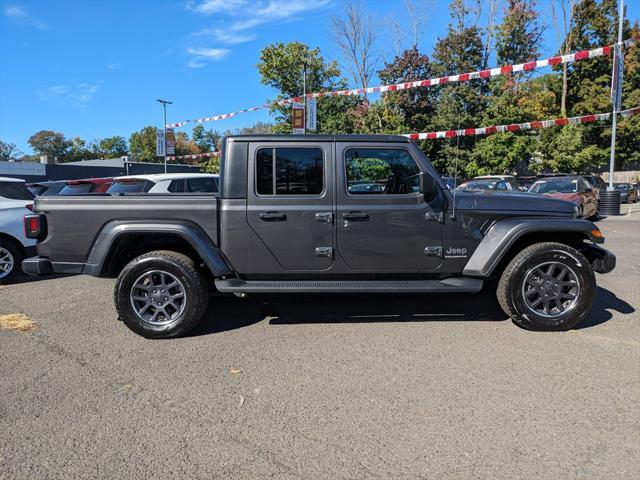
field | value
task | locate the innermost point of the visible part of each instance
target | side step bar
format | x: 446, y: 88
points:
x: 448, y: 285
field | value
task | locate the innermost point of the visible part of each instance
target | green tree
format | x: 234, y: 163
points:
x: 47, y: 142
x: 142, y: 145
x: 458, y: 105
x: 111, y: 147
x: 211, y: 164
x: 206, y: 140
x: 184, y: 145
x: 8, y: 151
x: 415, y: 105
x: 78, y: 150
x: 281, y: 67
x: 519, y: 35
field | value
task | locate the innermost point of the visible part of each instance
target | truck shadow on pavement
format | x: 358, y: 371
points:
x: 228, y: 313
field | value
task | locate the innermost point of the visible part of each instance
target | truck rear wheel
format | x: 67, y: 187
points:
x: 161, y: 294
x: 547, y: 286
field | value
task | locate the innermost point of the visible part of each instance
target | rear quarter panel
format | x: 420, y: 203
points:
x: 73, y: 223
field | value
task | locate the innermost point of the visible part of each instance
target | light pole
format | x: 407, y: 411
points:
x: 164, y: 124
x: 616, y: 101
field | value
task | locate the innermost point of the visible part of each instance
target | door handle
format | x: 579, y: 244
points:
x: 356, y: 216
x: 272, y: 216
x: 324, y: 217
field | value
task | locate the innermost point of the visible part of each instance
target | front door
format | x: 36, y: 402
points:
x: 383, y: 222
x: 290, y: 203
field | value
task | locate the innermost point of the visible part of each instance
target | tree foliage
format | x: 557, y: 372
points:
x: 142, y: 145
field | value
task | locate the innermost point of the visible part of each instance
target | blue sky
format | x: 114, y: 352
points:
x: 94, y: 68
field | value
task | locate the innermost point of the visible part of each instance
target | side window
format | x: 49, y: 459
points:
x: 381, y: 171
x: 176, y: 186
x: 201, y: 185
x: 289, y: 171
x: 501, y: 185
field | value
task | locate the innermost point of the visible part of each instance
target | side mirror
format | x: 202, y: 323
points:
x: 427, y: 184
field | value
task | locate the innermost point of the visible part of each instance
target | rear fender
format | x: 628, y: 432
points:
x: 191, y: 233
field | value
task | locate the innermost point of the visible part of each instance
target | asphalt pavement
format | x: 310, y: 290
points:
x: 342, y: 386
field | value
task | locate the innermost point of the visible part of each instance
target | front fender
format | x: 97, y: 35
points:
x: 188, y: 231
x: 504, y: 233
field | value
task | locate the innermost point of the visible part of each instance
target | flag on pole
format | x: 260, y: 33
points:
x: 616, y: 78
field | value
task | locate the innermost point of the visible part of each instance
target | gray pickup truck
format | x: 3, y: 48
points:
x: 322, y: 213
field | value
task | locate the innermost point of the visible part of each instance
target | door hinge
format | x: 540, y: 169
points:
x: 324, y: 252
x: 434, y: 216
x: 433, y: 251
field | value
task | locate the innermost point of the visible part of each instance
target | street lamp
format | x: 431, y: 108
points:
x: 164, y: 108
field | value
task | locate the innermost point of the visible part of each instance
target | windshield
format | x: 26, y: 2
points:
x: 483, y: 185
x: 555, y: 185
x: 130, y: 186
x: 76, y: 189
x: 621, y: 186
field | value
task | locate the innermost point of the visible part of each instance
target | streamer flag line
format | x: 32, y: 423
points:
x: 462, y: 77
x: 517, y: 127
x: 514, y: 127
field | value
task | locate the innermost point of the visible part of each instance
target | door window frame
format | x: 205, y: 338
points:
x: 274, y: 147
x: 376, y: 195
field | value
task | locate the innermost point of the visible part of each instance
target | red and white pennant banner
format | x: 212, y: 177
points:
x: 194, y: 155
x: 462, y: 77
x: 517, y: 127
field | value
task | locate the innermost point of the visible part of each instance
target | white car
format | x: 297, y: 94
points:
x: 16, y: 201
x: 166, y: 183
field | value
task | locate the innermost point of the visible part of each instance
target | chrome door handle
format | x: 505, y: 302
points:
x: 324, y: 217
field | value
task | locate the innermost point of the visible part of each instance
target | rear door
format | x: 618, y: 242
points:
x: 383, y: 222
x: 290, y: 203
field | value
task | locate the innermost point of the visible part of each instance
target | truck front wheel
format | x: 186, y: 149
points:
x: 161, y: 294
x: 547, y: 286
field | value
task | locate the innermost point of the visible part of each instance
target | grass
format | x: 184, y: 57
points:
x: 18, y: 322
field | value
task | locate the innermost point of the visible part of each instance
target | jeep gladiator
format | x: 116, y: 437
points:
x: 322, y: 213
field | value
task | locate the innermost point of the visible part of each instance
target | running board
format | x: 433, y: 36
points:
x: 448, y: 285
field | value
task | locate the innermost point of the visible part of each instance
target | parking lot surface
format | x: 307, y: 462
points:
x: 402, y: 386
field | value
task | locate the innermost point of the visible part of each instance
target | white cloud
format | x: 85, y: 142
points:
x: 21, y: 16
x: 209, y: 7
x: 236, y: 20
x: 225, y: 36
x: 202, y: 55
x: 77, y: 96
x: 113, y: 66
x: 209, y: 53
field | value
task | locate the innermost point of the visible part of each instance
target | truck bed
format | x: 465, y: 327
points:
x: 74, y: 222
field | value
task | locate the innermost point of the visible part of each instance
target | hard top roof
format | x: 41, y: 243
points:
x: 319, y: 138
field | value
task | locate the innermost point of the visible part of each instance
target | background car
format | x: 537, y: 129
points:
x: 486, y: 184
x: 45, y: 189
x: 574, y: 189
x: 166, y: 183
x: 452, y: 183
x: 16, y: 201
x: 628, y: 194
x: 510, y: 181
x: 86, y: 186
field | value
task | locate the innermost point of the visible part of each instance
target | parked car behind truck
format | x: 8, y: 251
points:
x: 15, y: 202
x: 287, y: 220
x: 573, y: 189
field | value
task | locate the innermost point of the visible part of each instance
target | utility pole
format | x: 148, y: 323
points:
x: 616, y: 101
x: 164, y: 125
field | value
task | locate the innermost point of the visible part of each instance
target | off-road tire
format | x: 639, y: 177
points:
x: 182, y: 268
x: 16, y: 253
x: 510, y: 287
